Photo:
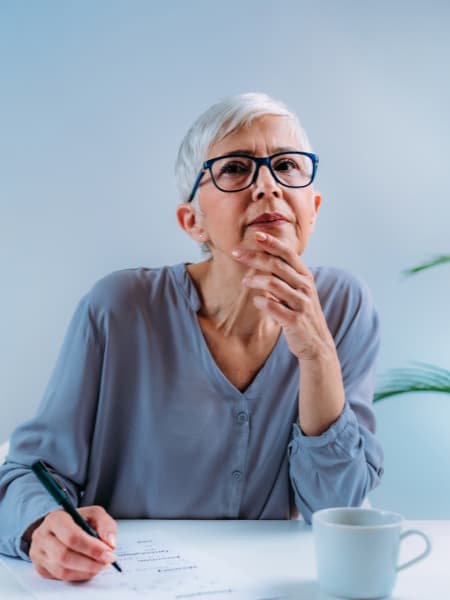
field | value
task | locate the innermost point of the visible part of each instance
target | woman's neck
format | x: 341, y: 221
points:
x: 226, y: 303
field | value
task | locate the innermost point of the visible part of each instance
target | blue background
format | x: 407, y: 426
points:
x: 95, y: 98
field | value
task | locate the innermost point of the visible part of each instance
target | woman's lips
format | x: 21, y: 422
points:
x: 274, y: 223
x: 269, y: 220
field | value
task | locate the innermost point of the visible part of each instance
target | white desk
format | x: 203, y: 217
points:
x: 282, y: 553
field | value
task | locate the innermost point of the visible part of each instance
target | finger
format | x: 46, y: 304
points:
x: 102, y: 523
x: 282, y: 314
x: 43, y: 572
x: 263, y: 262
x: 276, y: 247
x: 278, y: 290
x: 53, y: 560
x: 56, y: 571
x: 64, y: 563
x: 64, y: 528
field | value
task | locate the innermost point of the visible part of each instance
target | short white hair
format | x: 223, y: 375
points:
x: 218, y: 121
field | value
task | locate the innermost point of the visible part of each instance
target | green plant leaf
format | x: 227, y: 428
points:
x: 421, y: 378
x: 437, y: 260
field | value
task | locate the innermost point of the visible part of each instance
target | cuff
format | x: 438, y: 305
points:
x: 347, y: 417
x: 23, y: 540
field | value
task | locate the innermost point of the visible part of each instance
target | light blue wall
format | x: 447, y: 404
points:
x: 94, y: 100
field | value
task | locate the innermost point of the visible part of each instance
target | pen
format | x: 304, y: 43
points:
x: 61, y: 497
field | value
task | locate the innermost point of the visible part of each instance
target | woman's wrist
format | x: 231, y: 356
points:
x: 28, y: 534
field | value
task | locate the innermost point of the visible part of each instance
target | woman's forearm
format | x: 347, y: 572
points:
x: 321, y: 396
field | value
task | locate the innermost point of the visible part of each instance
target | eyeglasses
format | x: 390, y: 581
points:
x: 237, y: 172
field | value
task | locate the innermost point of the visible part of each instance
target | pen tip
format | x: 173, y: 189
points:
x: 117, y: 567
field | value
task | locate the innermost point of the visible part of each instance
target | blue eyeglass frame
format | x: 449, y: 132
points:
x: 259, y: 160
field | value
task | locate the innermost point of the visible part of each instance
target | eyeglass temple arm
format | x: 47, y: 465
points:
x: 196, y: 184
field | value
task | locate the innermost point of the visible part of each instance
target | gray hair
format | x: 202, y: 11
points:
x: 217, y: 122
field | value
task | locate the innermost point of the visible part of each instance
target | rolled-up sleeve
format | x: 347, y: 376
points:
x: 341, y: 466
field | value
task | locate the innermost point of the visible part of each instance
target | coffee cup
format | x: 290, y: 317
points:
x: 357, y: 551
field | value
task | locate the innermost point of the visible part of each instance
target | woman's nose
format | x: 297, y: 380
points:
x: 265, y: 184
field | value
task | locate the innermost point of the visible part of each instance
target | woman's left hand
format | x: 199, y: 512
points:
x: 286, y: 291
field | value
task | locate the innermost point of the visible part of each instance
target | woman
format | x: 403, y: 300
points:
x: 236, y: 387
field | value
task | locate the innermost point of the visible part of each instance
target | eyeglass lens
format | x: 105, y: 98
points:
x: 236, y: 172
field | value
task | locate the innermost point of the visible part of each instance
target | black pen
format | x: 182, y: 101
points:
x: 61, y: 497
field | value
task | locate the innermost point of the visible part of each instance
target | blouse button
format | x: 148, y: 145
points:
x: 242, y: 418
x: 236, y: 475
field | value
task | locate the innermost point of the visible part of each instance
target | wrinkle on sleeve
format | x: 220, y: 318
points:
x: 343, y: 464
x: 59, y: 434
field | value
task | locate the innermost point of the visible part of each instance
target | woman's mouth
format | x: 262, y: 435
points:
x: 269, y: 220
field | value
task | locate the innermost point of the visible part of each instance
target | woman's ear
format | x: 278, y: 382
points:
x: 191, y: 222
x: 316, y: 201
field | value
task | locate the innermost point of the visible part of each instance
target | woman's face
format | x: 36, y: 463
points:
x: 228, y: 219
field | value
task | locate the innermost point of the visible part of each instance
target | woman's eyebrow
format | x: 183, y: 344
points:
x: 240, y: 151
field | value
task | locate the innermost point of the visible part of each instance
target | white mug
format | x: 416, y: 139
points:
x: 357, y: 551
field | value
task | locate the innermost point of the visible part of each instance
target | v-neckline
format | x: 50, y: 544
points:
x: 220, y: 375
x: 185, y: 280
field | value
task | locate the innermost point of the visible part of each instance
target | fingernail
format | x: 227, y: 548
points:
x: 108, y: 557
x: 260, y: 236
x: 111, y: 539
x: 236, y: 253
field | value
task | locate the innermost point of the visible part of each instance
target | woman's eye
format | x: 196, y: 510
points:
x: 234, y: 168
x: 286, y: 165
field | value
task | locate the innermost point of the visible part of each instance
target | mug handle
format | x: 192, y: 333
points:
x: 425, y: 553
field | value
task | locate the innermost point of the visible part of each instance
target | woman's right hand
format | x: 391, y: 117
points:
x: 60, y: 549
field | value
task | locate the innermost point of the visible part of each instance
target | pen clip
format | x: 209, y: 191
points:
x: 43, y: 473
x: 44, y: 466
x: 40, y: 464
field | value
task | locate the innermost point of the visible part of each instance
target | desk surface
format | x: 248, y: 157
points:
x: 281, y: 553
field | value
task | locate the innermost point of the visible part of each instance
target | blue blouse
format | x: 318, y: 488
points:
x: 137, y: 416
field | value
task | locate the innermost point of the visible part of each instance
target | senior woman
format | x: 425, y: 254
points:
x: 238, y: 387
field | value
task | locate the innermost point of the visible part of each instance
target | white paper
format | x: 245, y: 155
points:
x: 154, y: 566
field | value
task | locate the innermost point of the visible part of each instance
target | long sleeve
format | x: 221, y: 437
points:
x: 340, y: 467
x: 59, y: 434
